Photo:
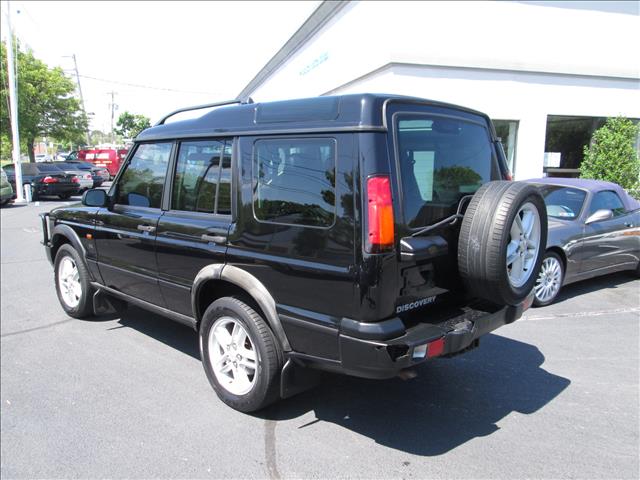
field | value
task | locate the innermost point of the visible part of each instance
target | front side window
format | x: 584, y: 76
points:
x: 607, y: 200
x: 142, y: 181
x: 294, y: 181
x: 202, y: 180
x: 441, y: 159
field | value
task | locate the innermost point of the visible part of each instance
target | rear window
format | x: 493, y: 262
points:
x: 49, y: 168
x: 441, y: 159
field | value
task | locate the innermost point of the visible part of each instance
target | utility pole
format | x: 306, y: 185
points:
x: 113, y: 109
x: 84, y: 110
x: 13, y: 107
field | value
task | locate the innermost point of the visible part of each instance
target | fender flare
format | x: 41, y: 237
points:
x: 251, y: 285
x: 70, y: 234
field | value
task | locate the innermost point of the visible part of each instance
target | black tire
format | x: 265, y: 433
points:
x: 64, y: 196
x: 266, y: 388
x: 485, y: 234
x: 543, y: 302
x: 84, y: 307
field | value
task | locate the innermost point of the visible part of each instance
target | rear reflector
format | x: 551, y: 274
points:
x: 435, y: 348
x: 380, y: 219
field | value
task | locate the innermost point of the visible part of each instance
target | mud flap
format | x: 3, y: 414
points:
x: 295, y: 379
x: 104, y: 304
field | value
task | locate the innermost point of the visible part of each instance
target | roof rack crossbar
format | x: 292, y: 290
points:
x: 199, y: 107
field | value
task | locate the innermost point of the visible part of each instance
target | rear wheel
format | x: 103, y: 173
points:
x: 240, y: 355
x: 549, y: 280
x: 502, y: 240
x: 72, y: 283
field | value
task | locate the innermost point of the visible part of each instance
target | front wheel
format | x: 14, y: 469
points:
x: 72, y: 283
x: 549, y: 280
x: 240, y: 355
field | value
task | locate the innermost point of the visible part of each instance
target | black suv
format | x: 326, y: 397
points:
x: 360, y: 234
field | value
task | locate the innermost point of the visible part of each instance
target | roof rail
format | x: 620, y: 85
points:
x: 199, y: 107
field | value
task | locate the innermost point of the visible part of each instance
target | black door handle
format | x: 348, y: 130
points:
x: 146, y: 228
x: 214, y: 238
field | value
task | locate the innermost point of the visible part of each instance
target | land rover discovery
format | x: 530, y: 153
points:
x: 361, y: 234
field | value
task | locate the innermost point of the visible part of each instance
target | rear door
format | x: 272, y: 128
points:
x: 439, y: 156
x: 126, y: 232
x: 192, y: 233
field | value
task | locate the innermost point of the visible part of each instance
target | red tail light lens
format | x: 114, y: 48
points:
x: 380, y: 233
x: 75, y: 180
x: 88, y: 176
x: 49, y: 180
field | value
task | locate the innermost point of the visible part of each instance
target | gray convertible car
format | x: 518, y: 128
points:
x: 594, y: 229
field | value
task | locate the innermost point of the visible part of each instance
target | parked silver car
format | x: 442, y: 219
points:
x: 594, y: 229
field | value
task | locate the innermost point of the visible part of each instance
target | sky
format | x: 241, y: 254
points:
x: 156, y: 56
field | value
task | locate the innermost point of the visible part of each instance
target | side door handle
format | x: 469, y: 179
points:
x: 214, y: 238
x: 147, y: 228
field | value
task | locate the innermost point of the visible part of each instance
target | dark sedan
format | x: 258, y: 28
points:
x: 99, y: 174
x: 45, y: 179
x: 594, y: 229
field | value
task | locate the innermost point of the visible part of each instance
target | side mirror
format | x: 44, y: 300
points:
x: 95, y: 197
x: 599, y: 216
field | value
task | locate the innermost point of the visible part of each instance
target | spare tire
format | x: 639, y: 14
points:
x: 502, y: 241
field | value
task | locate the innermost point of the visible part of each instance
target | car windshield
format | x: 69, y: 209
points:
x: 563, y: 202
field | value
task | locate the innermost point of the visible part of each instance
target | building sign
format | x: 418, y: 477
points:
x: 317, y: 61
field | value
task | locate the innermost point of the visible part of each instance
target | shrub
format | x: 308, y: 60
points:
x: 612, y: 155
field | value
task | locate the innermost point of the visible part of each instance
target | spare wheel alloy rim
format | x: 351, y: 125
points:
x: 232, y: 356
x: 69, y: 282
x: 523, y: 245
x: 548, y: 283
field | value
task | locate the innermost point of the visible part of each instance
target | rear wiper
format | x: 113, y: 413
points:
x: 449, y: 221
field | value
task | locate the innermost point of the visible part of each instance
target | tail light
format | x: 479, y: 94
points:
x: 48, y: 179
x: 508, y: 176
x: 380, y: 234
x: 75, y: 179
x: 88, y: 176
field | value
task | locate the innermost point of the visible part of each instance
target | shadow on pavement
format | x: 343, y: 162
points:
x: 451, y: 401
x: 611, y: 281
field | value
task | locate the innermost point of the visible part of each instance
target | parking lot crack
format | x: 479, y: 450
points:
x: 11, y: 334
x: 270, y: 449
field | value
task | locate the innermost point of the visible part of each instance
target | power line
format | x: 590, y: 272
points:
x: 144, y: 86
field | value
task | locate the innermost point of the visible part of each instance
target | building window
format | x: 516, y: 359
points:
x: 507, y: 132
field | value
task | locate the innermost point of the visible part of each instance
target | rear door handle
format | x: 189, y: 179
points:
x: 146, y: 228
x: 214, y: 238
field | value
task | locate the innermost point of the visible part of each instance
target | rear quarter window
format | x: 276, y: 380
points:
x: 294, y: 181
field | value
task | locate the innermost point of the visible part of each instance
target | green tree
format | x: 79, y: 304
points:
x: 130, y: 125
x: 612, y: 155
x: 46, y: 102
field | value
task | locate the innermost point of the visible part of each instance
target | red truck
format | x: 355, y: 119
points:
x: 110, y: 158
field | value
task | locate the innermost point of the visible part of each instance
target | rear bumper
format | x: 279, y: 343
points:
x: 57, y: 188
x: 376, y: 358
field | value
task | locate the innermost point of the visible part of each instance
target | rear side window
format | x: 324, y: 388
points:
x: 294, y: 181
x: 142, y: 181
x: 441, y: 159
x: 203, y: 177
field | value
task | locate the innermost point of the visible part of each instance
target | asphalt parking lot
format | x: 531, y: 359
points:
x: 554, y: 395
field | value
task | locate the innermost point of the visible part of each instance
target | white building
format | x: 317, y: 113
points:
x: 545, y: 72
